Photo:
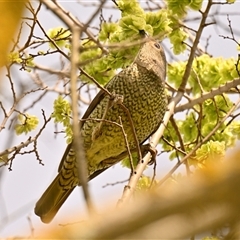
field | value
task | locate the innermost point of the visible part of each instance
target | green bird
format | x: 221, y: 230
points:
x: 141, y: 88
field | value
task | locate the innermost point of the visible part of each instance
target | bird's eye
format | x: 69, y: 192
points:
x: 157, y: 45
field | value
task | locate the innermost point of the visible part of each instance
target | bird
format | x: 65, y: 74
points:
x: 141, y: 88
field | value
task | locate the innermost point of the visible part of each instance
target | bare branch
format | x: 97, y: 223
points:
x: 70, y: 20
x: 194, y: 47
x: 78, y: 142
x: 232, y: 84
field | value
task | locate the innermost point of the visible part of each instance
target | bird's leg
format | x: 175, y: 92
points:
x: 149, y: 148
x: 112, y: 100
x: 115, y: 99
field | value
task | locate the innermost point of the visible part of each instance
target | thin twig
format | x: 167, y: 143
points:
x: 200, y: 143
x: 129, y: 189
x: 115, y: 183
x: 133, y: 131
x: 232, y: 84
x: 78, y: 142
x: 70, y: 20
x: 127, y: 145
x: 194, y: 47
x: 182, y: 147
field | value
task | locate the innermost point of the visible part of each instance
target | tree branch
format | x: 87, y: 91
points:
x: 78, y: 142
x: 232, y: 84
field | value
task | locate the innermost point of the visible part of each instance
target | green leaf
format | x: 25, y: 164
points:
x: 144, y: 183
x: 59, y: 36
x: 107, y: 30
x: 158, y: 23
x: 131, y: 25
x: 196, y: 4
x: 178, y: 7
x: 62, y: 114
x: 212, y: 151
x: 126, y: 161
x: 130, y: 7
x: 206, y: 71
x: 29, y: 61
x: 188, y: 128
x: 26, y: 123
x: 62, y: 111
x: 99, y: 68
x: 175, y: 73
x: 14, y: 57
x: 177, y: 38
x: 234, y: 128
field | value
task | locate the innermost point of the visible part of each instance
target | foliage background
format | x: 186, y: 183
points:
x: 21, y: 187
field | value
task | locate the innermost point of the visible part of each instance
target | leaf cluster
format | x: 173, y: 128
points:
x: 58, y: 35
x: 128, y: 29
x: 180, y: 8
x: 62, y: 114
x: 207, y: 73
x: 26, y: 123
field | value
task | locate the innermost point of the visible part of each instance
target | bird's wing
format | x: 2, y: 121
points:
x: 98, y: 98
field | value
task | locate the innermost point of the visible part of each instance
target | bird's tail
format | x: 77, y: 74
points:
x: 51, y: 200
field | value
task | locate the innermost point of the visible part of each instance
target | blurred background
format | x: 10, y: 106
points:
x: 21, y: 186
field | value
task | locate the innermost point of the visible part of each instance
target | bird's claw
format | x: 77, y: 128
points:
x: 153, y: 151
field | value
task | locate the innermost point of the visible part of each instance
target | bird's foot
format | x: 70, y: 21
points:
x: 149, y: 148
